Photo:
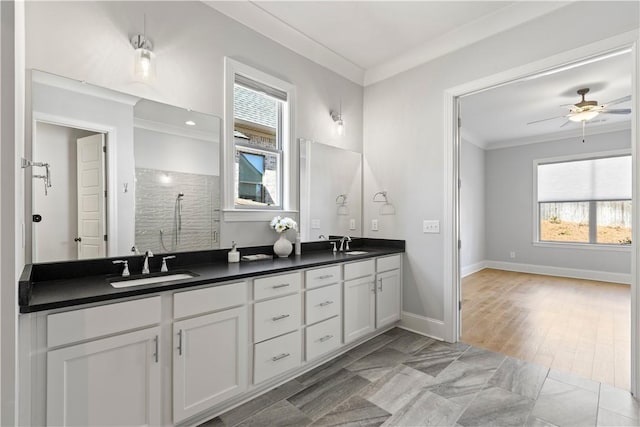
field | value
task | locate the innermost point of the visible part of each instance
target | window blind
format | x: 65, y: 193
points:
x: 607, y: 178
x: 261, y: 87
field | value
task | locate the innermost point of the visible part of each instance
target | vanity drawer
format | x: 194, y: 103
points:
x: 276, y: 317
x: 94, y: 322
x: 276, y: 356
x: 322, y: 276
x: 354, y: 270
x: 205, y: 300
x: 388, y: 263
x: 323, y: 337
x: 322, y: 303
x: 274, y: 286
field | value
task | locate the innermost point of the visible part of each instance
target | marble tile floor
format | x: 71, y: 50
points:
x: 403, y: 379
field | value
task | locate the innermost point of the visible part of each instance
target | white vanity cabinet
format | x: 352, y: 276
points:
x: 209, y: 350
x: 359, y: 300
x: 114, y: 380
x: 388, y: 304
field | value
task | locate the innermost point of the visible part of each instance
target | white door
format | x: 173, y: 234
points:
x: 109, y: 382
x: 209, y: 361
x: 387, y: 298
x: 91, y: 197
x: 359, y: 308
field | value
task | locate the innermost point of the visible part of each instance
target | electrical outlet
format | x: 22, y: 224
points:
x: 374, y: 225
x: 512, y: 254
x: 315, y: 224
x: 352, y: 224
x: 431, y: 226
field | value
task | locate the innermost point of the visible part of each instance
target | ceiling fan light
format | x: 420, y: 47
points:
x: 583, y: 116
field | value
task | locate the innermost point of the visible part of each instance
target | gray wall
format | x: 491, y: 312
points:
x: 472, y: 205
x: 510, y: 205
x: 90, y: 41
x: 404, y: 132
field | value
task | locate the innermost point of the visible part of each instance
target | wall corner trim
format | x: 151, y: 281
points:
x: 472, y: 268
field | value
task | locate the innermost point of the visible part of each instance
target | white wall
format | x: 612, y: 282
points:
x: 404, y: 134
x: 167, y: 152
x: 472, y: 207
x: 57, y: 146
x: 510, y: 217
x: 190, y: 40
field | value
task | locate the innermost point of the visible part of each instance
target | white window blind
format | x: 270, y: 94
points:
x: 606, y: 178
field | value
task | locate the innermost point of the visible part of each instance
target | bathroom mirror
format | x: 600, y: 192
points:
x: 330, y: 191
x: 111, y: 173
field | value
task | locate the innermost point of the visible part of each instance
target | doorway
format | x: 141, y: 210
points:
x: 453, y: 241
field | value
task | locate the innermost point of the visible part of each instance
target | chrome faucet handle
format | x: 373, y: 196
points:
x: 164, y: 267
x: 334, y: 246
x: 125, y: 270
x: 346, y: 248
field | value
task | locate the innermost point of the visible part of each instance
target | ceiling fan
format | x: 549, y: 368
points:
x: 585, y: 111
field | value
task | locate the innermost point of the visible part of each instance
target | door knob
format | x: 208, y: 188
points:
x: 78, y: 239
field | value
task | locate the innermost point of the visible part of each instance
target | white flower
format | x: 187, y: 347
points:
x: 280, y: 224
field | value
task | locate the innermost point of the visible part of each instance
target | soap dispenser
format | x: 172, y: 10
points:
x: 233, y: 255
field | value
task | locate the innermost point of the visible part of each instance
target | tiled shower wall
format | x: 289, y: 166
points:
x: 156, y: 211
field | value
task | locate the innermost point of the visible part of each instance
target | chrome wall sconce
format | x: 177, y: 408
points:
x: 144, y: 56
x: 386, y: 208
x: 338, y: 120
x: 341, y: 201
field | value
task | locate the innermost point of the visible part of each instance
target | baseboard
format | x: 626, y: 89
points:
x: 574, y: 273
x: 422, y: 325
x: 472, y: 268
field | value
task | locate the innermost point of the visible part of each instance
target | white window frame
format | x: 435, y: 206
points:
x: 536, y: 210
x: 288, y: 165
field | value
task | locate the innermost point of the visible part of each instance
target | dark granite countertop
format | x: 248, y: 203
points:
x: 65, y: 284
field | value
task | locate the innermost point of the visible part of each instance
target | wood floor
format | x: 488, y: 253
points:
x: 572, y: 325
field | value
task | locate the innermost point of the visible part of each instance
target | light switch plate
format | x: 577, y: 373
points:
x: 431, y: 226
x: 315, y: 224
x: 352, y: 224
x: 374, y: 225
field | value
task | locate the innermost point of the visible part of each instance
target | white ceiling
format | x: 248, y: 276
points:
x: 498, y: 117
x: 368, y: 41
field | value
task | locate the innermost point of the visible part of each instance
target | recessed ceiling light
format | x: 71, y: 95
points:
x: 190, y: 123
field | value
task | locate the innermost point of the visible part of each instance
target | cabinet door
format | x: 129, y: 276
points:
x: 209, y: 361
x: 111, y: 381
x: 387, y: 298
x: 359, y: 308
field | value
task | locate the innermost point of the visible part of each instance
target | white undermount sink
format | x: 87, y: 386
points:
x: 356, y: 252
x: 124, y: 283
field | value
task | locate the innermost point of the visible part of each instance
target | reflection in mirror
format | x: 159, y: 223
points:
x: 125, y: 172
x: 330, y: 191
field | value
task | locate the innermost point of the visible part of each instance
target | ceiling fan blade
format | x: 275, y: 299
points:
x: 565, y: 123
x: 616, y: 111
x: 618, y: 101
x: 544, y: 120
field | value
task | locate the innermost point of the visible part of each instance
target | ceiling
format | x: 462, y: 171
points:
x: 368, y: 41
x: 498, y: 117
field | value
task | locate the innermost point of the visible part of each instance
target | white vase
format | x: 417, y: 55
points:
x: 282, y: 247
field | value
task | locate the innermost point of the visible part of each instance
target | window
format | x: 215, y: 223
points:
x: 585, y: 201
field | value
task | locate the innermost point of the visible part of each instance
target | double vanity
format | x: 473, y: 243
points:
x: 183, y: 349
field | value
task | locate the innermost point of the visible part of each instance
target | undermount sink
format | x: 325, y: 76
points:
x: 126, y: 283
x: 356, y: 252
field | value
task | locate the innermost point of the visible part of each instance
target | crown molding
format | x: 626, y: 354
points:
x: 556, y: 136
x: 501, y: 20
x: 257, y: 19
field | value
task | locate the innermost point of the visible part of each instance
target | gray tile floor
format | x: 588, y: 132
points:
x: 403, y: 379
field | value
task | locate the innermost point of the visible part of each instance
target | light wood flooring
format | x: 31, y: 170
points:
x: 572, y: 325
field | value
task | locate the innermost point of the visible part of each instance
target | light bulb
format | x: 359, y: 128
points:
x: 584, y: 116
x: 340, y: 127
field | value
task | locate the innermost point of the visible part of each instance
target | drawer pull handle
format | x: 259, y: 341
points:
x: 284, y: 285
x: 326, y: 303
x: 325, y: 338
x: 325, y: 276
x: 282, y: 356
x: 283, y: 316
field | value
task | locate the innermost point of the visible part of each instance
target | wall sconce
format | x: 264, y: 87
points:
x: 144, y: 56
x: 341, y: 201
x: 337, y: 119
x: 386, y: 208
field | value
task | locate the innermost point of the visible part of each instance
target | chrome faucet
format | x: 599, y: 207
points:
x: 145, y: 266
x: 342, y: 245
